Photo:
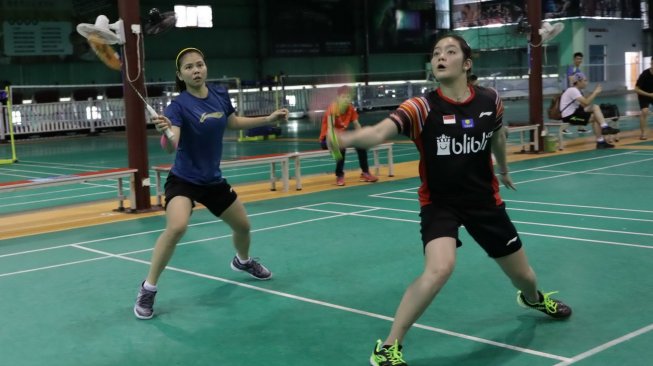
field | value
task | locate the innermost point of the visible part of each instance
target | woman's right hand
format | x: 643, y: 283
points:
x: 161, y: 123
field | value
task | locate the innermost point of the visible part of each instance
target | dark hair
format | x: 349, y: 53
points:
x: 578, y: 54
x: 180, y: 85
x: 344, y: 90
x: 464, y: 46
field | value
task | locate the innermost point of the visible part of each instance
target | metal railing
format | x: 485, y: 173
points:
x: 95, y: 114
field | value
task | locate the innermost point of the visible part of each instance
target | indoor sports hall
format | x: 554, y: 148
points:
x: 76, y: 242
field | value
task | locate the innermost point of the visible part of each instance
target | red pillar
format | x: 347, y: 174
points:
x: 535, y: 63
x: 134, y: 106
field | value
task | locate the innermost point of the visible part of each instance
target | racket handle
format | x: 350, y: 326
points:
x: 152, y: 112
x: 169, y: 134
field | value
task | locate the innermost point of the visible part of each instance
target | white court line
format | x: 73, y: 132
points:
x: 337, y: 307
x: 49, y: 193
x: 521, y: 222
x: 79, y: 246
x: 135, y: 234
x: 583, y: 228
x: 581, y: 172
x: 602, y: 208
x: 37, y: 172
x: 536, y: 211
x: 65, y: 165
x: 520, y: 232
x: 602, y: 174
x: 566, y: 163
x: 607, y: 345
x: 514, y: 221
x: 59, y: 198
x: 578, y: 214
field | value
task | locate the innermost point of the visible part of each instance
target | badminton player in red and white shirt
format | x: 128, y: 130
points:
x: 456, y: 129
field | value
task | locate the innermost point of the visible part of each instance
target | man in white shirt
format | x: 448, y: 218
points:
x: 578, y: 110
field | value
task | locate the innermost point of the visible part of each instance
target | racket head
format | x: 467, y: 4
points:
x: 104, y: 52
x: 332, y: 141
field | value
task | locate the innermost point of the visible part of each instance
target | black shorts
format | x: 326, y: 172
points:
x: 489, y: 225
x: 579, y: 118
x: 216, y: 197
x: 644, y: 102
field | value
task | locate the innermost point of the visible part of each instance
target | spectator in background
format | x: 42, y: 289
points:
x: 572, y: 70
x: 578, y: 110
x: 340, y: 114
x: 644, y: 90
x: 469, y: 16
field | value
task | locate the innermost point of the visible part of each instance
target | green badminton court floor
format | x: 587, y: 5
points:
x: 341, y: 260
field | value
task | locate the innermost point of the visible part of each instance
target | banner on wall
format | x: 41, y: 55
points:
x: 487, y: 12
x: 478, y: 13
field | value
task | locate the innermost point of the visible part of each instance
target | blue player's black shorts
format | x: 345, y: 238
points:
x: 489, y: 225
x: 216, y: 197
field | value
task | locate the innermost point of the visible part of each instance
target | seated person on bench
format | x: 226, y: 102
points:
x: 578, y: 110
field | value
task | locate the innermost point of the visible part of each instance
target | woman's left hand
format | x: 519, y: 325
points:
x: 507, y: 181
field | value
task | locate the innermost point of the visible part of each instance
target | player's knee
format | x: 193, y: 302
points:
x: 177, y: 229
x: 440, y: 272
x: 241, y: 227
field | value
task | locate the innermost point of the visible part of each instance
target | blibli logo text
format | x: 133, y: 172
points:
x: 467, y: 145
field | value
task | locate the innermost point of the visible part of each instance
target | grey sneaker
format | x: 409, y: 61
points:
x: 254, y: 268
x: 144, y: 307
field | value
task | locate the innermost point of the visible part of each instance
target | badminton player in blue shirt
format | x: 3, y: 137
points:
x: 198, y: 118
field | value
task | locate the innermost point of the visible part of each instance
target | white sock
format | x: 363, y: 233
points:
x: 604, y: 125
x: 148, y: 286
x: 600, y: 139
x: 243, y: 261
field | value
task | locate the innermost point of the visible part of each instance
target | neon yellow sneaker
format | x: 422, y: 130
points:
x: 551, y: 307
x: 387, y: 355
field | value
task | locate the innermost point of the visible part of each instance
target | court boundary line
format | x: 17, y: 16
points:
x: 607, y: 345
x: 309, y: 208
x: 603, y: 174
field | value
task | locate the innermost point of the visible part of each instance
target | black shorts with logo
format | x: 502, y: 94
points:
x: 579, y: 118
x: 489, y: 225
x: 216, y: 197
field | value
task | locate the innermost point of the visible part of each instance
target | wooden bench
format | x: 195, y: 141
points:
x: 271, y: 159
x: 298, y: 156
x: 58, y: 180
x: 561, y: 127
x: 523, y: 141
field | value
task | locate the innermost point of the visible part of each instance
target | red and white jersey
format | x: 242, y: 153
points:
x: 454, y: 143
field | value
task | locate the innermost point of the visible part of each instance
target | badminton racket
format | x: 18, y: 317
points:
x: 111, y: 59
x: 332, y: 140
x: 168, y: 132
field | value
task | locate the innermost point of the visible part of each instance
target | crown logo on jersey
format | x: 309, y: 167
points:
x: 443, y: 145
